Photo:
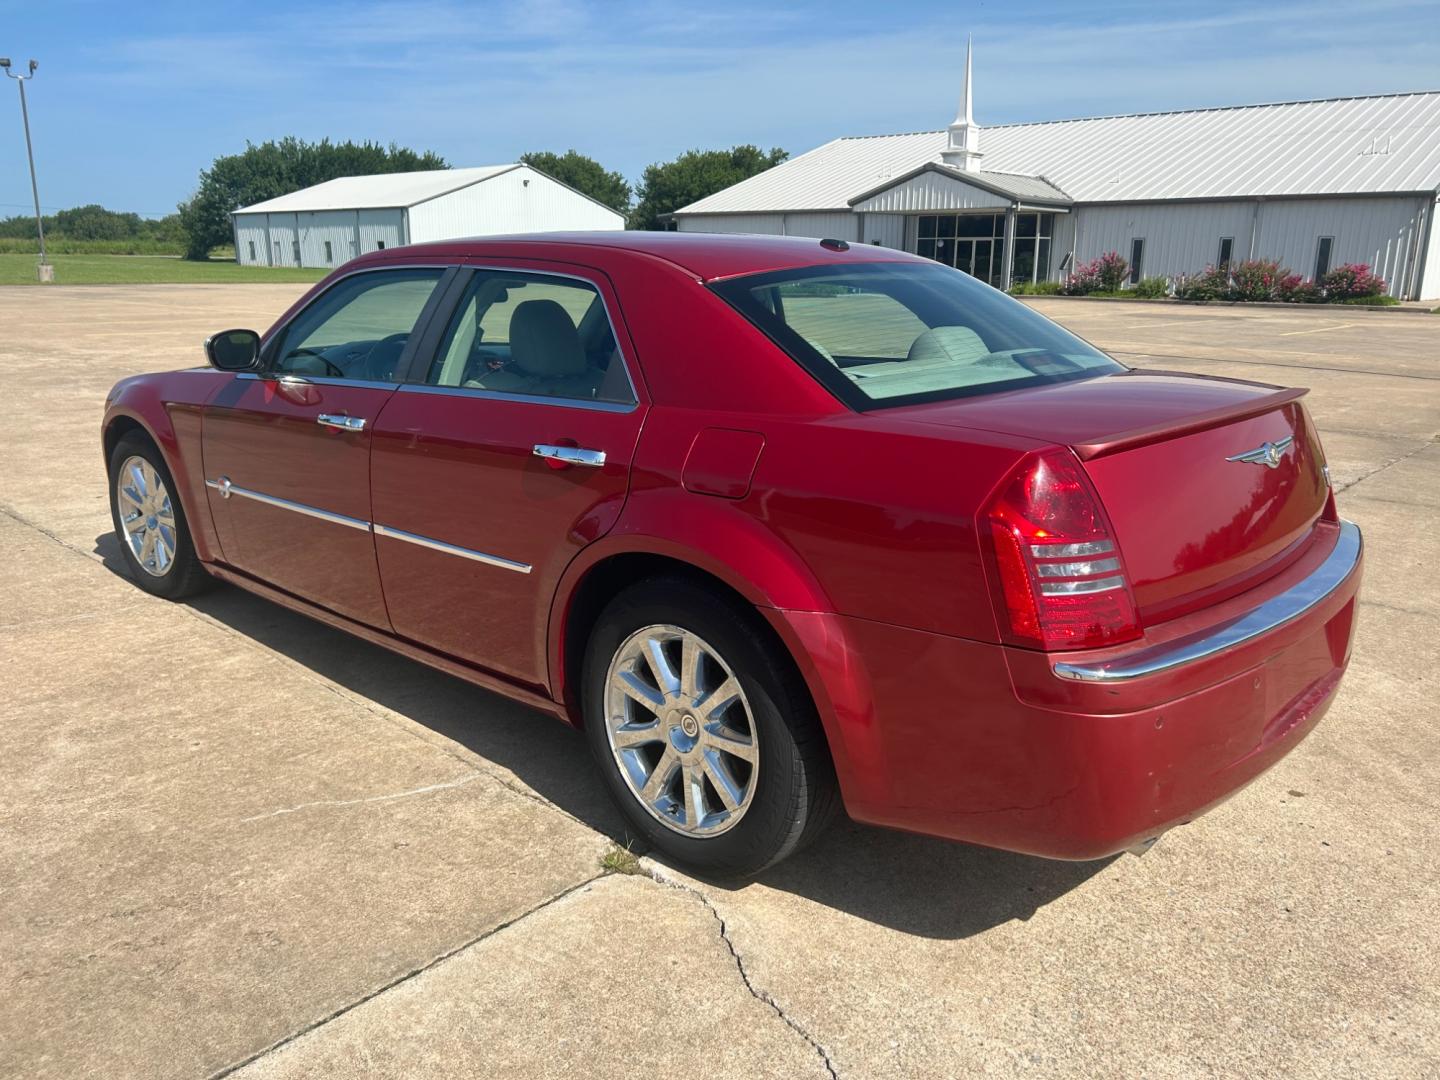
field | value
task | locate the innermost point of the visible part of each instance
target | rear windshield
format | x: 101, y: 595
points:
x: 884, y: 334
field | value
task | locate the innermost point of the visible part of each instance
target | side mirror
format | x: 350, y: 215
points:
x: 233, y: 350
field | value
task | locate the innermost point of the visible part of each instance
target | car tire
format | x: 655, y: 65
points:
x: 735, y: 726
x: 150, y: 522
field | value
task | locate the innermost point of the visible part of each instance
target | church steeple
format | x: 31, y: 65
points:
x: 963, y: 148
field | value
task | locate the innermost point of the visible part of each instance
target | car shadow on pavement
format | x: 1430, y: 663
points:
x: 909, y: 883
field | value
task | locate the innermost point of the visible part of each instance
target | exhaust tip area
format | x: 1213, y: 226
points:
x: 1143, y: 846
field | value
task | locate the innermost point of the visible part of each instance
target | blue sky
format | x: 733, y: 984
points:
x: 133, y: 99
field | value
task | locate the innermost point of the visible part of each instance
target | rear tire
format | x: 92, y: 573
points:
x: 150, y: 522
x: 708, y: 741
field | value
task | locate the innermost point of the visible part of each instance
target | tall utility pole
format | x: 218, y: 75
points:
x: 46, y: 271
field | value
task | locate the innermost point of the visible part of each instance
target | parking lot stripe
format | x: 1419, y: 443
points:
x: 1317, y: 330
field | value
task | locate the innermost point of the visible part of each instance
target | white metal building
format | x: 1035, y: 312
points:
x: 333, y: 222
x: 1313, y: 184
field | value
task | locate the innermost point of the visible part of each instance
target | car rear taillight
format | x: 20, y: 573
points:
x: 1061, y: 578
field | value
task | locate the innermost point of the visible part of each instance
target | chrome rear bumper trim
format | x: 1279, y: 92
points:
x: 1272, y: 614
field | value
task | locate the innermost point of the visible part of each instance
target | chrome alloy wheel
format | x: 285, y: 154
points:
x: 681, y: 731
x: 147, y: 520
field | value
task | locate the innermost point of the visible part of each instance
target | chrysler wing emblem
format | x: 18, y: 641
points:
x: 1267, y: 454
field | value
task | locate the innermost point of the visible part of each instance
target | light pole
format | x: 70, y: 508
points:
x: 47, y: 272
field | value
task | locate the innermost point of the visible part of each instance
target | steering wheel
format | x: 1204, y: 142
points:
x: 331, y: 368
x: 382, y: 349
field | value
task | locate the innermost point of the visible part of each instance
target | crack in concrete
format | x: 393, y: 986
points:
x: 448, y: 785
x: 1379, y: 469
x: 229, y: 1070
x: 762, y: 996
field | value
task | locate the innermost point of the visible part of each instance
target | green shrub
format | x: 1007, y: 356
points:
x: 1369, y: 301
x: 1152, y: 288
x: 1035, y: 288
x: 64, y: 245
x: 1212, y: 283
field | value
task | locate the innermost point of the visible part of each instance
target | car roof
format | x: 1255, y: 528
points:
x: 709, y: 256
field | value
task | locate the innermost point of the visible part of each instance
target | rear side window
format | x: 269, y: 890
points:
x: 885, y: 334
x: 532, y: 335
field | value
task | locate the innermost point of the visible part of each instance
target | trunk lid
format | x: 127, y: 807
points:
x: 1211, y: 485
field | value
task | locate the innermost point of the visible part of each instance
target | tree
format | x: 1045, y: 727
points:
x: 584, y: 174
x: 94, y: 222
x: 273, y: 169
x: 665, y: 187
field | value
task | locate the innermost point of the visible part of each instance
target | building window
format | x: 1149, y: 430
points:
x: 1227, y: 250
x: 329, y: 253
x: 252, y: 251
x: 1322, y: 256
x: 974, y: 243
x: 1137, y: 258
x: 1032, y: 247
x: 379, y: 245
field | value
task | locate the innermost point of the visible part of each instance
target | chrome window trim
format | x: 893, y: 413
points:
x: 318, y: 380
x: 451, y: 549
x: 1271, y: 615
x: 541, y: 399
x: 227, y: 489
x: 526, y: 399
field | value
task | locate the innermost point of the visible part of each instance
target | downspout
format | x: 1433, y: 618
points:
x: 1255, y: 227
x: 1415, y: 279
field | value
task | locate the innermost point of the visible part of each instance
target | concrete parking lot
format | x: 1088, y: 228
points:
x: 236, y: 842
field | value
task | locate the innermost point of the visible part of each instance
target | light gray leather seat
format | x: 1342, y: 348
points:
x: 546, y: 356
x: 955, y: 343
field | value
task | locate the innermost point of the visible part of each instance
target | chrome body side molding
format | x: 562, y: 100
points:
x: 1271, y: 615
x: 451, y: 549
x: 227, y: 489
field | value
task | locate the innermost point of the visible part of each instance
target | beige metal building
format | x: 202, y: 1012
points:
x: 1314, y: 184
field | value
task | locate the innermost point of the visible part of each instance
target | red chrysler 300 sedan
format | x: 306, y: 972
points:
x: 780, y: 523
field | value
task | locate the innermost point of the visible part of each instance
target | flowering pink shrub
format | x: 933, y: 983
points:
x: 1084, y: 279
x: 1293, y: 289
x: 1105, y: 274
x: 1351, y: 280
x: 1255, y: 279
x: 1112, y: 270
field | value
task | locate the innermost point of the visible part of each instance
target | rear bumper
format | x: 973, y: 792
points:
x: 990, y: 745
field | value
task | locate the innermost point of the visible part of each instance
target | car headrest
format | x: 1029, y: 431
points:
x: 957, y: 343
x: 543, y: 340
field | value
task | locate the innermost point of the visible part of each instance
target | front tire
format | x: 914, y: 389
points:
x: 150, y: 522
x: 707, y: 740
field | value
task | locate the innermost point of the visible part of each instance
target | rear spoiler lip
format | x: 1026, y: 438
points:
x: 1241, y: 410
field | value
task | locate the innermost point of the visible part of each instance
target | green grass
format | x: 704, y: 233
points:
x: 1369, y: 301
x: 620, y: 860
x: 145, y: 270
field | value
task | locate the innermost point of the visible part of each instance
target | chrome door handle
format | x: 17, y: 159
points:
x: 570, y: 455
x: 344, y: 423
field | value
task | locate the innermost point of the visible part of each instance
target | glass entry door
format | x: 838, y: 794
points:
x: 974, y: 243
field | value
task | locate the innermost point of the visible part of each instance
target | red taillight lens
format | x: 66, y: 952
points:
x: 1062, y: 581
